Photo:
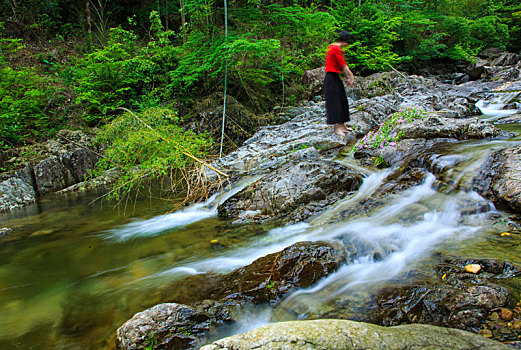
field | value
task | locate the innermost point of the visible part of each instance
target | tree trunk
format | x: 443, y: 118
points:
x: 166, y: 15
x: 183, y: 20
x: 89, y: 29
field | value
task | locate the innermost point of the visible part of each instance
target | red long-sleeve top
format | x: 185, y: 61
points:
x: 334, y: 59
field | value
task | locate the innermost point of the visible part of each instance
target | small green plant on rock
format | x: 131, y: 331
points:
x: 301, y: 146
x: 271, y: 284
x: 380, y: 162
x: 150, y: 342
x: 388, y: 133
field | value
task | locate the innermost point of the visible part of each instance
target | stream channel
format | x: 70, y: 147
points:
x: 84, y: 268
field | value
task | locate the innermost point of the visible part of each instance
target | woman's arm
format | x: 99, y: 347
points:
x: 350, y: 78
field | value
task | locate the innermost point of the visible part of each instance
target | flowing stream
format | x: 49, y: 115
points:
x: 83, y: 269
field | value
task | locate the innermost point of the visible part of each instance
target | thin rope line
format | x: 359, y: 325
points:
x: 225, y: 75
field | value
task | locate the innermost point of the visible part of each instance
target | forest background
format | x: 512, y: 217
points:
x: 71, y: 63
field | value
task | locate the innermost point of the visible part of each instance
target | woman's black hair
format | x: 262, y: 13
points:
x: 343, y: 36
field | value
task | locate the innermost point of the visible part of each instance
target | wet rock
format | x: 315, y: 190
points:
x: 476, y: 70
x: 164, y: 326
x: 432, y: 127
x: 292, y: 187
x: 341, y: 334
x: 270, y: 277
x: 473, y: 268
x: 499, y: 179
x: 5, y: 231
x: 314, y: 81
x: 217, y: 300
x: 454, y: 298
x: 50, y: 167
x: 505, y: 326
x: 506, y: 314
x: 266, y: 279
x: 270, y: 147
x: 52, y: 175
x: 15, y: 193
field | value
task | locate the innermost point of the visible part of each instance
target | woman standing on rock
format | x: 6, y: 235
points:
x: 337, y: 107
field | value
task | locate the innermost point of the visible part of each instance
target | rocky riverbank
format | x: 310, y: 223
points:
x: 301, y: 178
x: 46, y: 168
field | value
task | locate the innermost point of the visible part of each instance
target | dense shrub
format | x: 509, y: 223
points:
x: 26, y: 99
x: 149, y: 145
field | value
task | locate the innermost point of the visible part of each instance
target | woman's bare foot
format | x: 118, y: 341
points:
x: 339, y: 130
x: 344, y: 128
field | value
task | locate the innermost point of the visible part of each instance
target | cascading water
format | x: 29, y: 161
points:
x: 194, y: 213
x: 493, y: 109
x: 84, y: 271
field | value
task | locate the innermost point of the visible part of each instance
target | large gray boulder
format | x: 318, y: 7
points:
x: 52, y: 175
x: 435, y: 126
x: 500, y: 179
x: 314, y: 81
x: 15, y: 193
x: 288, y: 190
x: 346, y: 335
x: 164, y: 326
x: 304, y: 136
x: 48, y: 167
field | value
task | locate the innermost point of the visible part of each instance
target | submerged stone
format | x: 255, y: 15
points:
x: 452, y: 298
x: 473, y: 268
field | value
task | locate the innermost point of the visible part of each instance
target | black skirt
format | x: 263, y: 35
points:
x: 337, y: 107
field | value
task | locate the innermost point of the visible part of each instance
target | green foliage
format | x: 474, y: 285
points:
x: 303, y: 33
x: 112, y: 76
x: 489, y: 32
x: 252, y: 65
x: 147, y: 146
x: 125, y: 73
x: 388, y: 133
x: 380, y: 162
x: 430, y: 36
x: 375, y: 33
x: 140, y: 65
x: 25, y: 98
x: 509, y: 11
